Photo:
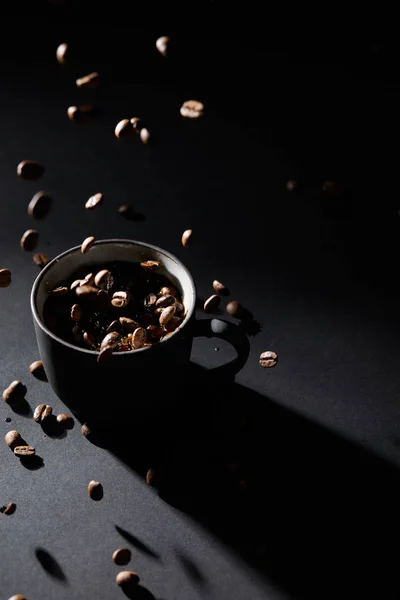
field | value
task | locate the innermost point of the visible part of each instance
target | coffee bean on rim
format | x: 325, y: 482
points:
x: 124, y: 129
x: 5, y: 278
x: 122, y: 556
x: 29, y: 240
x: 80, y: 112
x: 187, y: 237
x: 95, y: 200
x: 24, y: 451
x: 212, y: 303
x: 14, y: 393
x: 87, y: 244
x: 150, y: 300
x: 13, y: 439
x: 76, y: 312
x: 62, y: 53
x: 150, y: 265
x: 88, y: 339
x: 162, y: 44
x: 192, y: 109
x: 102, y: 278
x: 166, y: 315
x: 219, y: 287
x: 120, y: 299
x: 268, y: 359
x: 9, y: 509
x: 111, y: 340
x: 40, y: 259
x: 145, y: 135
x: 95, y: 490
x: 164, y: 301
x: 59, y: 291
x: 37, y: 370
x: 127, y: 578
x: 40, y: 205
x: 168, y: 291
x: 234, y: 308
x: 77, y: 334
x: 128, y: 324
x: 30, y: 169
x: 91, y: 80
x: 139, y: 337
x: 65, y: 420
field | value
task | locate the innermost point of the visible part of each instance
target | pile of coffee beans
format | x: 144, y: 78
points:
x: 123, y: 306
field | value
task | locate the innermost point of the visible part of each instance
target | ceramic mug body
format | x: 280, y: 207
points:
x: 139, y: 380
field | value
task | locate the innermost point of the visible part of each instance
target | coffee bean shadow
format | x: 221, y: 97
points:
x: 52, y: 428
x: 50, y: 565
x: 190, y: 568
x: 138, y: 544
x: 23, y: 408
x: 137, y: 592
x: 32, y: 463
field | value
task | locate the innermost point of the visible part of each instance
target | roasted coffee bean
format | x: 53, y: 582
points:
x: 15, y: 393
x: 120, y: 299
x: 122, y: 556
x: 88, y: 279
x: 291, y: 185
x: 128, y: 324
x: 86, y: 430
x: 158, y: 310
x: 168, y: 291
x: 62, y: 53
x: 37, y: 370
x: 150, y: 265
x: 95, y: 200
x: 13, y: 439
x: 212, y: 303
x: 192, y: 109
x: 95, y: 490
x: 113, y: 326
x: 136, y: 123
x: 40, y: 205
x: 127, y: 578
x: 187, y: 237
x: 59, y: 291
x: 139, y: 337
x: 124, y: 129
x: 268, y: 359
x: 10, y: 509
x: 80, y: 112
x: 164, y: 301
x: 76, y: 312
x: 150, y: 300
x: 38, y: 413
x: 89, y: 340
x: 65, y: 420
x: 75, y: 284
x: 155, y: 333
x: 88, y: 81
x: 166, y: 315
x: 111, y: 340
x: 5, y: 278
x: 29, y: 240
x: 234, y: 308
x: 173, y: 324
x: 102, y: 278
x: 219, y: 287
x: 40, y: 259
x: 87, y: 244
x: 126, y: 211
x: 24, y: 451
x: 151, y: 477
x: 162, y: 44
x: 86, y: 291
x: 145, y: 135
x: 179, y: 309
x: 17, y: 597
x: 77, y: 334
x: 30, y: 169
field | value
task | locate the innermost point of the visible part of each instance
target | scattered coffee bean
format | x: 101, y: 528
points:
x: 102, y: 278
x: 17, y: 597
x: 59, y: 291
x: 125, y: 578
x: 150, y: 265
x: 291, y: 185
x: 94, y: 201
x: 124, y: 129
x: 212, y: 303
x: 38, y: 413
x: 88, y: 81
x: 24, y: 451
x: 166, y: 315
x: 122, y: 556
x: 89, y: 340
x: 151, y: 477
x: 86, y: 430
x: 268, y: 359
x: 40, y: 205
x: 65, y: 420
x: 62, y: 53
x: 187, y: 237
x: 10, y: 509
x: 164, y: 301
x: 77, y: 334
x: 95, y: 490
x: 8, y: 419
x: 145, y: 135
x: 5, y: 278
x: 128, y: 324
x: 162, y: 44
x: 13, y: 439
x: 30, y: 240
x: 76, y: 312
x: 37, y: 370
x: 220, y: 288
x: 120, y: 299
x: 330, y: 187
x: 192, y: 109
x: 111, y: 340
x: 40, y: 259
x: 15, y: 393
x: 139, y: 337
x: 30, y: 169
x: 234, y: 308
x: 168, y: 291
x: 150, y: 300
x: 126, y: 211
x: 136, y: 123
x: 87, y: 244
x: 80, y: 112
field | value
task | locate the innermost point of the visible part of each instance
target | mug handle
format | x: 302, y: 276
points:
x: 231, y: 333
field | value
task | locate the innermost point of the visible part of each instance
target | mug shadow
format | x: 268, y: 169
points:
x: 311, y: 511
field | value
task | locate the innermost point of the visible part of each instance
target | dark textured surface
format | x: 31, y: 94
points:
x: 287, y: 479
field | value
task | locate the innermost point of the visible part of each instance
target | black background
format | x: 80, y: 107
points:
x: 288, y: 94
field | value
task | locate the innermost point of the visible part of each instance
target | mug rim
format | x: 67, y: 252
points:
x: 42, y: 274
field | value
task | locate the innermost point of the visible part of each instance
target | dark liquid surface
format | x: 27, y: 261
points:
x: 97, y: 316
